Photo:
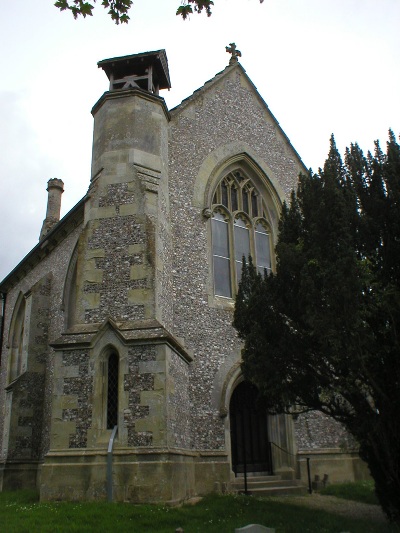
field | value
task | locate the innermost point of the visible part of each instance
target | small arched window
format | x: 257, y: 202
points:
x: 240, y: 228
x: 70, y: 291
x: 112, y: 390
x: 18, y: 341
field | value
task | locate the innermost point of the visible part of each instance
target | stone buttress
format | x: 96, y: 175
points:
x: 123, y: 311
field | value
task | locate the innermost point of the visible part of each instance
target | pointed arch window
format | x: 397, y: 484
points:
x: 221, y: 254
x: 112, y: 390
x: 240, y: 228
x: 70, y: 291
x: 18, y: 338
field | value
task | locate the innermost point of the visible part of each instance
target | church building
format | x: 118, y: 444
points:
x: 120, y: 368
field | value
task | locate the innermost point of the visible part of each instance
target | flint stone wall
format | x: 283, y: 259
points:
x: 50, y: 323
x: 122, y: 240
x: 79, y: 386
x: 178, y: 403
x: 314, y: 431
x: 136, y: 382
x: 228, y: 113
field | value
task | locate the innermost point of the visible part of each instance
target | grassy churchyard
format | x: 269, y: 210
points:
x: 20, y: 512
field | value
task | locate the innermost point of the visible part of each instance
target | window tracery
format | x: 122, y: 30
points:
x: 239, y: 227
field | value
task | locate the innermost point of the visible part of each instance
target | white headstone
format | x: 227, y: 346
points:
x: 255, y: 528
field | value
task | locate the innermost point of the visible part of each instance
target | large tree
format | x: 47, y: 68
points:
x: 323, y: 332
x: 118, y: 9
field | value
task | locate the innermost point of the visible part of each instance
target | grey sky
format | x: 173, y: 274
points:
x: 322, y: 66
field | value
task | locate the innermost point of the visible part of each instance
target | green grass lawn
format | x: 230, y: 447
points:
x: 20, y: 512
x: 361, y: 491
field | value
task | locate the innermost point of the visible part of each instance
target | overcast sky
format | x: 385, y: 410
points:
x: 322, y: 66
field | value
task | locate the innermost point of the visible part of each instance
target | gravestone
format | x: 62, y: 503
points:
x: 254, y: 528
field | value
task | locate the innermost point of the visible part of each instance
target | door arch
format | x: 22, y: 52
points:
x: 250, y: 446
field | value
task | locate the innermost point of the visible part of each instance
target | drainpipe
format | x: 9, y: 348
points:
x: 3, y: 297
x: 109, y: 465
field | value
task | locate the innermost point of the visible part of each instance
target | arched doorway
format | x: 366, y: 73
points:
x: 249, y: 432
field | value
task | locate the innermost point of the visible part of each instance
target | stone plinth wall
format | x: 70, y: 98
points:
x: 339, y: 466
x: 138, y: 477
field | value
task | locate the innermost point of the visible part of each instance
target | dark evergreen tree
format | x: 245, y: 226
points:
x: 322, y: 333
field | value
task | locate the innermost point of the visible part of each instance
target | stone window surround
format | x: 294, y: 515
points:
x: 270, y: 195
x: 249, y: 220
x: 19, y: 337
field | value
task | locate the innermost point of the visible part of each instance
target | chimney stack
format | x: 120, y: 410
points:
x: 55, y: 188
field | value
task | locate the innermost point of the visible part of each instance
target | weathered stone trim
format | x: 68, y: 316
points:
x: 233, y: 378
x: 145, y: 95
x: 219, y: 162
x: 129, y: 333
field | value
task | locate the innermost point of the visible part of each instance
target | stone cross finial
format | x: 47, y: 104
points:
x: 231, y: 49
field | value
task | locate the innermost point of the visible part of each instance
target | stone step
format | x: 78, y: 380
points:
x: 262, y: 484
x: 256, y: 478
x: 279, y: 491
x: 272, y: 485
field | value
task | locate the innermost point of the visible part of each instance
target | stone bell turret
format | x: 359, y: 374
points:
x: 126, y: 214
x: 131, y: 118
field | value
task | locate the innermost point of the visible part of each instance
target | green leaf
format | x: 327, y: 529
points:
x: 62, y: 5
x: 86, y: 9
x: 184, y: 11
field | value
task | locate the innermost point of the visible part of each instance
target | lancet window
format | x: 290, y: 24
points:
x: 70, y: 291
x: 112, y: 390
x: 240, y: 228
x: 18, y: 340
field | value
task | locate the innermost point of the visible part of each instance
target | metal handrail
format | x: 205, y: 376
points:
x: 294, y: 455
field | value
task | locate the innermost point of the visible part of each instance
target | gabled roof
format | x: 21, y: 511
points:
x: 198, y: 93
x: 138, y: 63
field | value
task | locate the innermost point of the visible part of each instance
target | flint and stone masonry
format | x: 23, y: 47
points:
x: 113, y: 318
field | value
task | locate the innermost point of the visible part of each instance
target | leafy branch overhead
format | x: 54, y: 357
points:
x: 118, y: 9
x: 186, y: 8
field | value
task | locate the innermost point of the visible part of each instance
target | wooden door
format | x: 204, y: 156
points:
x: 249, y: 431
